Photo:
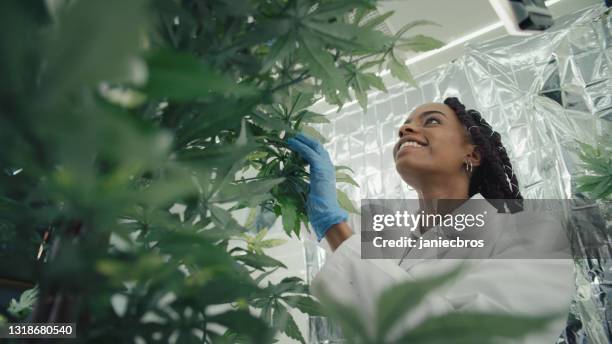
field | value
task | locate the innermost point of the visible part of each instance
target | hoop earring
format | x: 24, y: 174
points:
x: 468, y: 166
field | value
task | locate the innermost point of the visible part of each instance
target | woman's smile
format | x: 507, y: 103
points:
x: 408, y: 144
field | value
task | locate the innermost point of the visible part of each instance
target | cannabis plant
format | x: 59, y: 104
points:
x: 597, y: 161
x: 134, y: 131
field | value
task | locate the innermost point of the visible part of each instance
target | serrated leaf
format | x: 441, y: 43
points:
x: 360, y: 88
x: 588, y: 180
x: 349, y: 37
x: 349, y: 319
x: 411, y: 25
x: 342, y: 177
x: 600, y: 190
x: 360, y: 13
x: 263, y: 275
x: 342, y: 167
x: 332, y: 9
x: 370, y: 64
x: 243, y: 322
x: 419, y: 43
x: 236, y: 192
x: 23, y: 307
x: 282, y: 47
x: 374, y: 22
x: 374, y: 80
x: 183, y: 77
x: 321, y: 62
x: 312, y: 132
x: 289, y: 217
x: 312, y: 117
x: 105, y: 58
x: 292, y: 330
x: 272, y: 243
x: 345, y: 202
x: 399, y: 70
x: 259, y: 261
x: 224, y: 219
x: 389, y: 311
x: 305, y: 304
x: 299, y: 101
x: 474, y: 327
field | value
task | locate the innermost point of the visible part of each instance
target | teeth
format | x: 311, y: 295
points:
x: 411, y: 143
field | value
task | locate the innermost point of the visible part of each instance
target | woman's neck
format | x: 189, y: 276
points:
x: 442, y: 197
x: 444, y: 188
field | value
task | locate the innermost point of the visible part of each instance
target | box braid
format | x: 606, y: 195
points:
x: 494, y: 177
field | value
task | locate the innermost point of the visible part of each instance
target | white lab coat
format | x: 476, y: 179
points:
x: 510, y: 286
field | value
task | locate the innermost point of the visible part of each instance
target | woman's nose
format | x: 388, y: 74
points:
x: 405, y: 129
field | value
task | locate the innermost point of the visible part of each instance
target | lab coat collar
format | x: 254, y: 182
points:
x: 414, y: 257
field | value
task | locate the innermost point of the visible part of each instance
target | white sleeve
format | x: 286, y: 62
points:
x: 511, y: 286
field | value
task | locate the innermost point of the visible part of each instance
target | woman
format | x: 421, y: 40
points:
x: 444, y: 152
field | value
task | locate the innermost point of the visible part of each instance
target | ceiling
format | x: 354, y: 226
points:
x: 458, y: 20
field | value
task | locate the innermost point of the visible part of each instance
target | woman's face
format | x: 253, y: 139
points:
x: 432, y: 142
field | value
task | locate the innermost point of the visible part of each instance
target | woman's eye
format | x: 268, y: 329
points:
x: 432, y: 119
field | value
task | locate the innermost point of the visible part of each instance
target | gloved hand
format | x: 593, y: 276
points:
x: 322, y: 205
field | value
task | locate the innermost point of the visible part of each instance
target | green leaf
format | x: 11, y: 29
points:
x: 299, y: 101
x: 419, y: 43
x: 349, y: 319
x: 235, y: 192
x: 360, y: 13
x: 374, y: 80
x: 345, y: 202
x: 282, y: 47
x: 263, y: 275
x: 22, y: 308
x: 342, y: 177
x: 312, y: 117
x: 225, y: 220
x: 361, y: 91
x: 333, y: 9
x: 289, y: 217
x: 600, y: 191
x: 321, y: 62
x: 312, y: 132
x: 389, y: 310
x: 243, y: 322
x: 349, y: 37
x: 265, y: 120
x: 285, y: 322
x: 289, y: 285
x: 474, y: 328
x: 411, y: 25
x: 341, y: 167
x: 305, y: 304
x: 292, y: 330
x: 399, y: 70
x: 374, y: 22
x: 589, y: 180
x: 369, y: 64
x: 85, y: 50
x: 183, y: 77
x: 594, y: 159
x: 259, y: 261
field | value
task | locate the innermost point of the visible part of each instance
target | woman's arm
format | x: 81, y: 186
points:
x: 337, y: 234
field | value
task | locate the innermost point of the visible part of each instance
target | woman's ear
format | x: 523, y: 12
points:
x: 474, y: 155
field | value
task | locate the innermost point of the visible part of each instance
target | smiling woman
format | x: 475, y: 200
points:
x: 444, y: 152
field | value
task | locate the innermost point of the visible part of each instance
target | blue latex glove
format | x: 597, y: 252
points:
x: 322, y: 206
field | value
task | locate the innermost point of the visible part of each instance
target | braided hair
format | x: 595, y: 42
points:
x: 494, y: 177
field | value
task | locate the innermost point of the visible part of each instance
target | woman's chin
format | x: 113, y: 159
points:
x: 408, y: 171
